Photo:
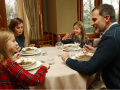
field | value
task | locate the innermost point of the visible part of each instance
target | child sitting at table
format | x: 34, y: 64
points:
x: 79, y: 35
x: 11, y: 74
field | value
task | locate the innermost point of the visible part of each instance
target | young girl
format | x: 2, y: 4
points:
x: 16, y: 25
x: 79, y: 35
x: 11, y: 74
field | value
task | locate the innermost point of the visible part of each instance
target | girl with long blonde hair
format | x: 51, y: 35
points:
x: 11, y: 74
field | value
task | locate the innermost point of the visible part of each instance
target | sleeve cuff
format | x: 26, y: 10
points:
x: 66, y: 60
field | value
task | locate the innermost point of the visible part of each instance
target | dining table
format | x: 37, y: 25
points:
x: 59, y: 75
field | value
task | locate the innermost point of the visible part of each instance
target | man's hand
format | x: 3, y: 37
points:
x: 65, y: 55
x: 90, y: 49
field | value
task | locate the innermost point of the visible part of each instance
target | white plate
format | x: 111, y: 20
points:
x: 36, y: 65
x: 31, y: 48
x: 81, y: 53
x: 72, y: 48
x: 26, y: 60
x: 68, y: 47
x: 37, y: 52
x: 83, y: 59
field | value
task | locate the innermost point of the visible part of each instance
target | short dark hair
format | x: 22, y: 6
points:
x: 106, y: 9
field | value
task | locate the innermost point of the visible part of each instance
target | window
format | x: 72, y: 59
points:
x: 115, y: 4
x: 11, y: 9
x: 88, y: 5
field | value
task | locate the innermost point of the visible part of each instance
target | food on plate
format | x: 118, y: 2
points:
x: 23, y: 62
x: 84, y: 57
x: 29, y: 50
x: 71, y: 47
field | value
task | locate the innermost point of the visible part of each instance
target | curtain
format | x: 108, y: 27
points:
x: 22, y: 15
x: 32, y: 11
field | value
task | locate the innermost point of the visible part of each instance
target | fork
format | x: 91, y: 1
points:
x: 85, y: 52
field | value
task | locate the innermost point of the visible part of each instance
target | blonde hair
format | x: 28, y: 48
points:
x: 5, y: 35
x: 83, y: 33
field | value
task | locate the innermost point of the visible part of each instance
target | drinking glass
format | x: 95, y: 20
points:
x: 77, y: 40
x: 43, y: 52
x: 70, y: 36
x: 59, y: 47
x: 50, y: 59
x: 72, y: 53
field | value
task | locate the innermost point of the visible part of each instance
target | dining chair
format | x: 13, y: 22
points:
x: 36, y: 42
x: 92, y: 37
x: 47, y: 39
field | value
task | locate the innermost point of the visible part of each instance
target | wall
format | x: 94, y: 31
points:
x: 61, y: 14
x: 45, y: 26
x: 51, y: 16
x: 66, y: 15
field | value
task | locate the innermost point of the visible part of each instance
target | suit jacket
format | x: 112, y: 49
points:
x: 106, y: 58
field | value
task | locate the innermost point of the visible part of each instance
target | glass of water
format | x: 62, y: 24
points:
x: 43, y: 52
x: 50, y: 59
x: 59, y: 47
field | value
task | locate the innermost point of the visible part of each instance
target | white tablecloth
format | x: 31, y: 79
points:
x: 60, y: 76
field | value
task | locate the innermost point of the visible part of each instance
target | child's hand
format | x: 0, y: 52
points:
x: 66, y: 36
x: 18, y: 48
x: 46, y: 65
x: 32, y: 45
x: 17, y: 55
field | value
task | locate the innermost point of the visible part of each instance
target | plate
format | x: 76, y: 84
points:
x: 26, y: 60
x: 36, y: 65
x: 37, y: 52
x: 29, y: 50
x: 81, y: 56
x: 68, y: 47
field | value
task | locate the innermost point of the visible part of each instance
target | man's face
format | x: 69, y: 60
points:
x: 98, y: 22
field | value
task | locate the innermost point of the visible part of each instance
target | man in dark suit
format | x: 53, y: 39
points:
x: 107, y: 56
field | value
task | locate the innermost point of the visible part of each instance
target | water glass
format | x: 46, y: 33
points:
x: 72, y: 53
x: 59, y: 47
x: 43, y: 52
x: 77, y: 40
x: 50, y: 59
x: 69, y: 37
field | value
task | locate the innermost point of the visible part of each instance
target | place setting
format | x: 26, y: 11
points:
x: 29, y: 63
x: 69, y: 47
x: 82, y: 56
x: 30, y: 51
